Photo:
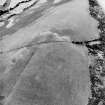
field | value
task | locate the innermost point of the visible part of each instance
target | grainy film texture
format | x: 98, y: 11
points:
x: 52, y: 52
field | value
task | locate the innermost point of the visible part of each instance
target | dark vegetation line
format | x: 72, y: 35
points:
x: 22, y: 2
x: 3, y: 12
x: 30, y: 6
x: 97, y: 68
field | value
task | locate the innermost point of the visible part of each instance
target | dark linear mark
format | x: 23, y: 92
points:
x: 22, y: 2
x: 30, y: 6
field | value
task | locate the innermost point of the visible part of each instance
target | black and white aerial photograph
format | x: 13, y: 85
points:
x: 52, y: 52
